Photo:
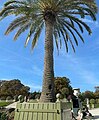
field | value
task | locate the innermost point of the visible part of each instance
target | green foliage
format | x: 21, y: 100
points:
x: 3, y: 116
x: 9, y: 98
x: 7, y: 114
x: 31, y: 15
x: 3, y: 98
x: 97, y: 105
x: 62, y: 85
x: 82, y: 97
x: 2, y: 104
x: 87, y: 94
x: 11, y: 115
x: 97, y: 101
x: 93, y: 97
x: 34, y: 95
x: 96, y: 94
x: 9, y: 89
x: 92, y: 101
x: 64, y: 92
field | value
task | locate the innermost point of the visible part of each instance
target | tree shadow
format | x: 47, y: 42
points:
x: 96, y: 117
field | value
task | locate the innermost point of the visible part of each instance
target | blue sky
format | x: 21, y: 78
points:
x: 82, y: 67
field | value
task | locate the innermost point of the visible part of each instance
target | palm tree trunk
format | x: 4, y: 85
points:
x: 48, y: 94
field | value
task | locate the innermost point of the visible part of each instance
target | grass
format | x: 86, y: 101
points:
x: 97, y: 105
x: 3, y: 104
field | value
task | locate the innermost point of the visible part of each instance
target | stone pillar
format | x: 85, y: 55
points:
x: 88, y: 103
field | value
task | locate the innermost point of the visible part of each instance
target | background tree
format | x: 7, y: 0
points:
x: 96, y: 93
x: 12, y: 88
x: 34, y: 95
x: 60, y: 19
x: 62, y: 86
x: 82, y: 97
x: 97, y: 89
x: 87, y: 94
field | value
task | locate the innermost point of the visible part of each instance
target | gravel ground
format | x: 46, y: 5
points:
x: 95, y: 113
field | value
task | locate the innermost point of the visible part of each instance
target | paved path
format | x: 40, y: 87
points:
x: 95, y: 113
x: 13, y: 105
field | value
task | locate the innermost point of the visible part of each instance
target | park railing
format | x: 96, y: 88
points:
x: 43, y: 111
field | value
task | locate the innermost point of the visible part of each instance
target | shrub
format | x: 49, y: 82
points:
x: 9, y: 98
x: 97, y: 101
x: 92, y: 101
x: 3, y: 98
x: 3, y: 116
x: 37, y: 96
x: 85, y: 102
x: 97, y: 105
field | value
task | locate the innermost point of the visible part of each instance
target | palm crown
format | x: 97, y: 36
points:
x: 31, y: 15
x: 60, y: 19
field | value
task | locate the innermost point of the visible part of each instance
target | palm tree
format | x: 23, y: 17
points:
x: 61, y: 20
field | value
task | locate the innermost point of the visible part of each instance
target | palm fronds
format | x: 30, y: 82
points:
x: 30, y: 14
